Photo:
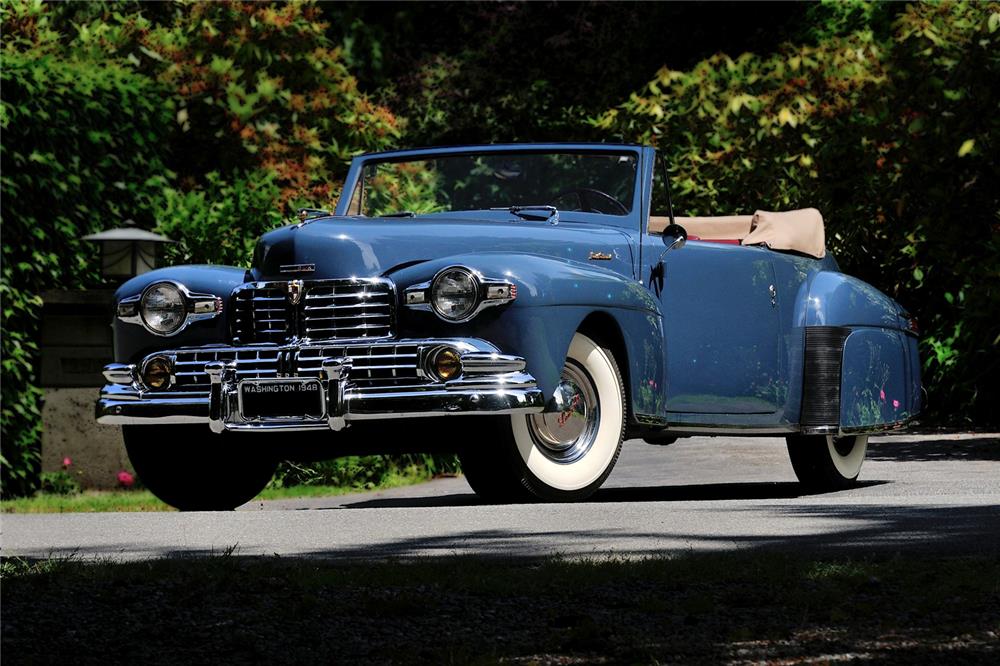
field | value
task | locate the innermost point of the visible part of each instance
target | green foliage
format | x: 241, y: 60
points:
x: 363, y: 472
x: 219, y: 222
x: 59, y: 483
x: 81, y: 151
x: 260, y: 82
x: 894, y: 139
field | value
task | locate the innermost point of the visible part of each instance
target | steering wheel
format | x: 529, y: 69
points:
x: 593, y: 201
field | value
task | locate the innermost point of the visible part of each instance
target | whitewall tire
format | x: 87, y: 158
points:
x: 565, y: 453
x: 825, y: 462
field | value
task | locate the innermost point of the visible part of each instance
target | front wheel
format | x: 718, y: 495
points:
x: 825, y: 462
x: 193, y: 469
x: 568, y: 451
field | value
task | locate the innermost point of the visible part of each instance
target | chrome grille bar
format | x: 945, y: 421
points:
x: 383, y: 365
x: 327, y: 310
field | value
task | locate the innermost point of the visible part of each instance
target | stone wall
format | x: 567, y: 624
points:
x: 69, y: 430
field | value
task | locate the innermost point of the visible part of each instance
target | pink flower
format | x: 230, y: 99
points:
x: 652, y: 383
x: 895, y: 404
x: 67, y: 461
x: 881, y: 395
x: 125, y: 479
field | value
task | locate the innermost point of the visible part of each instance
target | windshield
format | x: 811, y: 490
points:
x: 590, y: 182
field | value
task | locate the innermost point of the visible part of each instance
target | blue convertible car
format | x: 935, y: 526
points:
x: 545, y: 294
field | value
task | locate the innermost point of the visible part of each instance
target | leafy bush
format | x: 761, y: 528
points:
x: 219, y: 222
x: 894, y: 139
x: 363, y: 472
x: 59, y: 483
x: 81, y: 151
x: 257, y: 85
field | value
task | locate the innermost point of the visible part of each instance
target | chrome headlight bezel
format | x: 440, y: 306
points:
x: 472, y: 286
x: 176, y: 309
x: 489, y: 292
x: 195, y: 307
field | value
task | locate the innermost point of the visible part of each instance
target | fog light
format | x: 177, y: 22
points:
x: 156, y: 372
x: 447, y: 364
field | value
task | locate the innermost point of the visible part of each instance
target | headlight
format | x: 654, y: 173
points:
x: 455, y: 294
x: 163, y: 308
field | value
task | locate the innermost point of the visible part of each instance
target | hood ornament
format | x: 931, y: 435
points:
x: 295, y: 290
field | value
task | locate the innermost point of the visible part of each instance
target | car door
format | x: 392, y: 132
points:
x: 721, y: 329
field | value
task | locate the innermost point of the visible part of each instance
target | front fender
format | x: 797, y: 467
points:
x: 554, y: 299
x: 132, y: 341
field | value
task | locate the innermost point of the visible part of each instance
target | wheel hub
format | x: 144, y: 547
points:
x: 568, y: 427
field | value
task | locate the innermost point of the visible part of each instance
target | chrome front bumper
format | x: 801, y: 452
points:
x: 490, y: 383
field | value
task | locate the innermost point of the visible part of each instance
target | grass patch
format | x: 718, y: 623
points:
x: 736, y: 608
x: 91, y: 501
x: 88, y: 501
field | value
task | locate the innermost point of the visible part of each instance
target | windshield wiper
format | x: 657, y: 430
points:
x: 399, y: 213
x: 540, y: 213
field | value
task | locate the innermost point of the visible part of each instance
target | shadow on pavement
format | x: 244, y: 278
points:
x: 844, y: 529
x: 932, y: 450
x: 829, y: 529
x: 682, y: 493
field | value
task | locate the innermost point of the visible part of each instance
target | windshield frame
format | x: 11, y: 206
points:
x: 628, y: 221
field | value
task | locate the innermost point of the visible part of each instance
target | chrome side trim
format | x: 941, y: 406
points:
x: 734, y: 431
x: 881, y: 427
x: 120, y: 373
x: 820, y: 430
x: 474, y: 363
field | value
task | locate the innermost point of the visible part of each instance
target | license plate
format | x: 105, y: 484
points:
x: 281, y: 398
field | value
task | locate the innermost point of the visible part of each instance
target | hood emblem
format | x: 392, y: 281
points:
x: 600, y: 256
x: 295, y: 289
x: 297, y: 268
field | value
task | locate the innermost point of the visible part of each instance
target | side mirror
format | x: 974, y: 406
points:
x: 674, y: 237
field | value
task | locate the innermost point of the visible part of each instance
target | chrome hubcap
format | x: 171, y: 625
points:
x: 568, y: 427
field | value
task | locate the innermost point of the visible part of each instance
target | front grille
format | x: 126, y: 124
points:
x: 371, y: 365
x: 326, y: 310
x: 189, y: 366
x: 381, y: 365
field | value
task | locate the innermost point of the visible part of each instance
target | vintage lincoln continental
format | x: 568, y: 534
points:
x: 546, y: 294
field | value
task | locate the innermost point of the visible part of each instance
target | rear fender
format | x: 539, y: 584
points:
x: 878, y: 385
x: 877, y: 388
x: 833, y: 299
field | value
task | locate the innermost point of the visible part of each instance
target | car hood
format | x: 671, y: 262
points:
x: 340, y: 247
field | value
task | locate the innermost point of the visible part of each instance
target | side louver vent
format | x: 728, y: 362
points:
x: 821, y: 376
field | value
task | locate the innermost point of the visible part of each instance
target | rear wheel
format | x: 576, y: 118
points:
x: 825, y: 462
x: 192, y: 469
x: 565, y: 453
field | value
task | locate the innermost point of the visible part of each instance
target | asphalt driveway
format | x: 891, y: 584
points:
x: 936, y: 493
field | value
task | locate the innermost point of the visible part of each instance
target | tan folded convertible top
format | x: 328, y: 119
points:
x: 797, y: 230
